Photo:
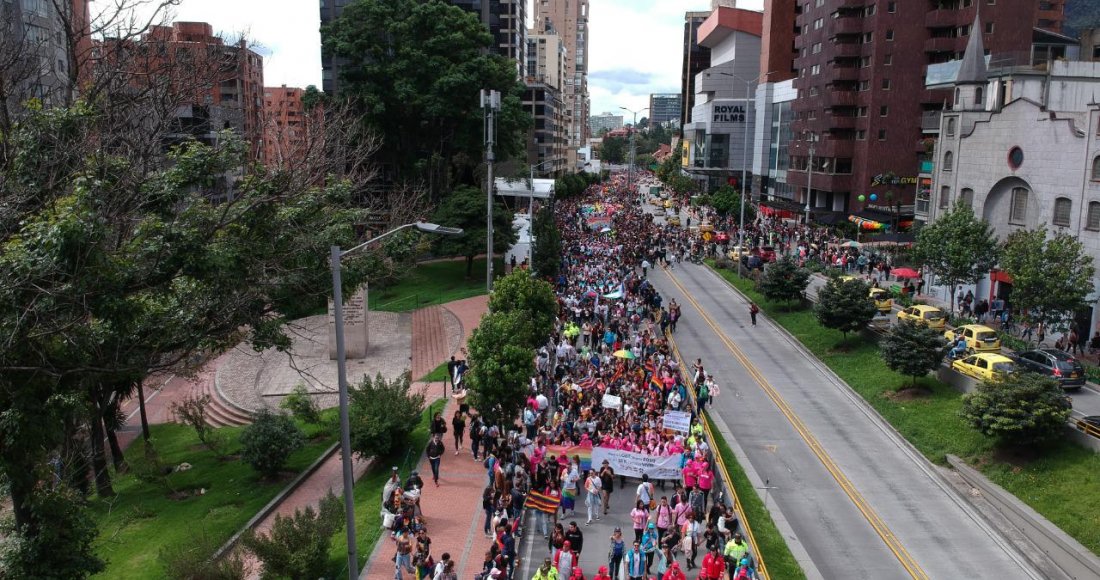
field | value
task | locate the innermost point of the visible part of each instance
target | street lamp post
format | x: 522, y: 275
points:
x: 490, y: 102
x: 342, y: 375
x: 745, y: 151
x: 633, y: 131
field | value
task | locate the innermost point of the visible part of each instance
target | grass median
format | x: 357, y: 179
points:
x: 433, y: 283
x: 1061, y: 482
x: 212, y: 499
x: 368, y: 499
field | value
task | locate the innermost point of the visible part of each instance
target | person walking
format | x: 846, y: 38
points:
x: 753, y: 311
x: 735, y: 550
x: 607, y: 485
x: 639, y: 516
x: 634, y: 563
x: 458, y: 423
x: 616, y: 552
x: 650, y: 541
x: 546, y: 571
x: 592, y: 487
x: 435, y: 454
x: 403, y: 559
x: 714, y: 567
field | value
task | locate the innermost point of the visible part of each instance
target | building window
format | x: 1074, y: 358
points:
x: 882, y: 134
x: 868, y: 37
x: 1096, y: 168
x: 951, y: 126
x: 1015, y: 158
x: 948, y: 161
x: 883, y: 111
x: 1062, y: 208
x: 989, y: 28
x: 817, y: 47
x: 1017, y: 212
x: 1092, y: 221
x: 966, y: 197
x: 885, y: 84
x: 979, y: 96
x: 890, y: 35
x: 819, y: 23
x: 945, y: 197
x: 888, y: 60
x: 861, y: 135
x: 891, y: 7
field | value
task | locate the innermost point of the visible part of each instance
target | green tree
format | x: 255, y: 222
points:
x: 726, y: 200
x: 912, y: 349
x: 267, y: 443
x: 958, y: 248
x: 500, y: 365
x: 532, y: 299
x: 298, y: 546
x: 383, y: 414
x: 844, y: 305
x: 546, y: 245
x: 614, y: 150
x: 61, y: 546
x: 681, y: 184
x: 670, y: 167
x: 1051, y: 276
x: 301, y: 405
x: 784, y: 280
x: 1021, y: 409
x: 415, y: 68
x: 465, y: 208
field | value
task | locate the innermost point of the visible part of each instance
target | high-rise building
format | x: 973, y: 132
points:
x: 286, y: 125
x: 664, y: 109
x: 695, y: 59
x: 569, y: 20
x: 774, y: 93
x: 546, y: 61
x: 35, y: 45
x: 505, y: 20
x: 861, y: 92
x: 605, y: 122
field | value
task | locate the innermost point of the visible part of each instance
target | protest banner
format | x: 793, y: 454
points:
x: 629, y: 464
x: 612, y: 402
x: 678, y: 421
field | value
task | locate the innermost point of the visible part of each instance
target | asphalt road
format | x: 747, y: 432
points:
x: 860, y: 501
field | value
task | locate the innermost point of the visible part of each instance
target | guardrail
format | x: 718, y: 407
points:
x: 758, y: 555
x: 1087, y: 428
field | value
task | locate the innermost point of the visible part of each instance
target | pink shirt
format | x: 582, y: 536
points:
x: 639, y: 518
x: 664, y: 516
x: 706, y: 479
x: 689, y: 474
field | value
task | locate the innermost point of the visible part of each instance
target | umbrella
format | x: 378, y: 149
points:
x: 605, y: 230
x: 905, y: 273
x: 850, y: 244
x: 626, y: 354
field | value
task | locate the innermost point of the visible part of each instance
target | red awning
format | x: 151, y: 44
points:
x: 779, y: 213
x: 1000, y: 276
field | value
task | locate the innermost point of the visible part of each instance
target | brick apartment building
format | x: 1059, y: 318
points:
x: 286, y: 126
x: 861, y: 98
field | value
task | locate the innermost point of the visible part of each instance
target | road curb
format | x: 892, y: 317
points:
x: 1070, y: 556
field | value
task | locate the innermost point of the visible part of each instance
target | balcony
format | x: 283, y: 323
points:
x: 840, y: 98
x: 938, y: 97
x: 841, y: 122
x: 845, y: 73
x: 847, y: 50
x: 822, y: 181
x: 943, y: 18
x: 839, y: 26
x: 944, y: 44
x: 930, y: 121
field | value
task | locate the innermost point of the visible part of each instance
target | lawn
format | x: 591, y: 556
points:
x: 142, y: 518
x: 368, y: 498
x: 433, y: 283
x: 779, y: 560
x: 438, y: 374
x: 1063, y: 484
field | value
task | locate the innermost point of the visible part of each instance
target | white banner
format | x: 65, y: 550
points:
x: 612, y: 402
x: 631, y: 464
x: 678, y: 421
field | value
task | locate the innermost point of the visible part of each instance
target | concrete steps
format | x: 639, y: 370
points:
x: 220, y: 412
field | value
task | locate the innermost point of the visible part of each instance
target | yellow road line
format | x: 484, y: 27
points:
x: 761, y: 567
x: 907, y: 561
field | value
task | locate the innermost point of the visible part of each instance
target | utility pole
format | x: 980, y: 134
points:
x: 490, y: 103
x: 810, y: 177
x: 633, y: 130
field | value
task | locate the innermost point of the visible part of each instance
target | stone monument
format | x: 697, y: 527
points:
x: 356, y: 330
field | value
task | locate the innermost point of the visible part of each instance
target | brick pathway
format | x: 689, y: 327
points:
x: 429, y: 340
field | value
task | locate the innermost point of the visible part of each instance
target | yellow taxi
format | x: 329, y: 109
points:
x: 979, y: 338
x: 736, y: 252
x: 929, y: 316
x: 883, y: 302
x: 674, y: 220
x: 985, y: 366
x: 668, y: 203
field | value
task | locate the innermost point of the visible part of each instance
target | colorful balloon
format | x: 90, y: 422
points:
x: 861, y: 197
x: 874, y: 197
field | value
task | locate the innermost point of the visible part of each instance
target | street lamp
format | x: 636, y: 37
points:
x: 745, y: 150
x: 342, y: 373
x: 633, y: 130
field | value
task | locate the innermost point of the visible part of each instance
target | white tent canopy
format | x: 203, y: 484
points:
x: 543, y: 188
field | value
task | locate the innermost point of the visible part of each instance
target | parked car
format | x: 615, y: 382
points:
x: 660, y: 212
x: 979, y: 338
x: 721, y: 237
x: 985, y: 366
x: 674, y: 220
x: 1056, y: 364
x: 929, y: 316
x: 883, y: 302
x: 766, y: 253
x: 736, y: 253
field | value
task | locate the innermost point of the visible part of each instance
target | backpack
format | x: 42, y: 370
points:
x: 704, y: 392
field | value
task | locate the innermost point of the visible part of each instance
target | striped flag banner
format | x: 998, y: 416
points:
x: 542, y: 502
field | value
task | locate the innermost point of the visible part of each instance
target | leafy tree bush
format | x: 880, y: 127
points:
x: 500, y: 365
x: 465, y: 208
x: 298, y: 546
x: 784, y: 281
x: 844, y: 305
x: 192, y: 411
x: 958, y: 247
x: 267, y: 443
x: 383, y: 414
x: 532, y: 299
x: 614, y: 150
x: 61, y: 548
x: 302, y: 406
x: 726, y: 200
x: 546, y: 249
x: 1051, y: 276
x: 912, y: 349
x: 1022, y: 409
x: 190, y: 560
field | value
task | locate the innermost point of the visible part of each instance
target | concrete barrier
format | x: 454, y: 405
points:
x: 1068, y: 554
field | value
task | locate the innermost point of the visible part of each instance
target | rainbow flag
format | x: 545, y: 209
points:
x: 568, y: 500
x: 584, y: 452
x: 651, y: 368
x: 542, y: 502
x: 656, y: 384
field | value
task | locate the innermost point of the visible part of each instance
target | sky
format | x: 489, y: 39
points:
x: 634, y: 46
